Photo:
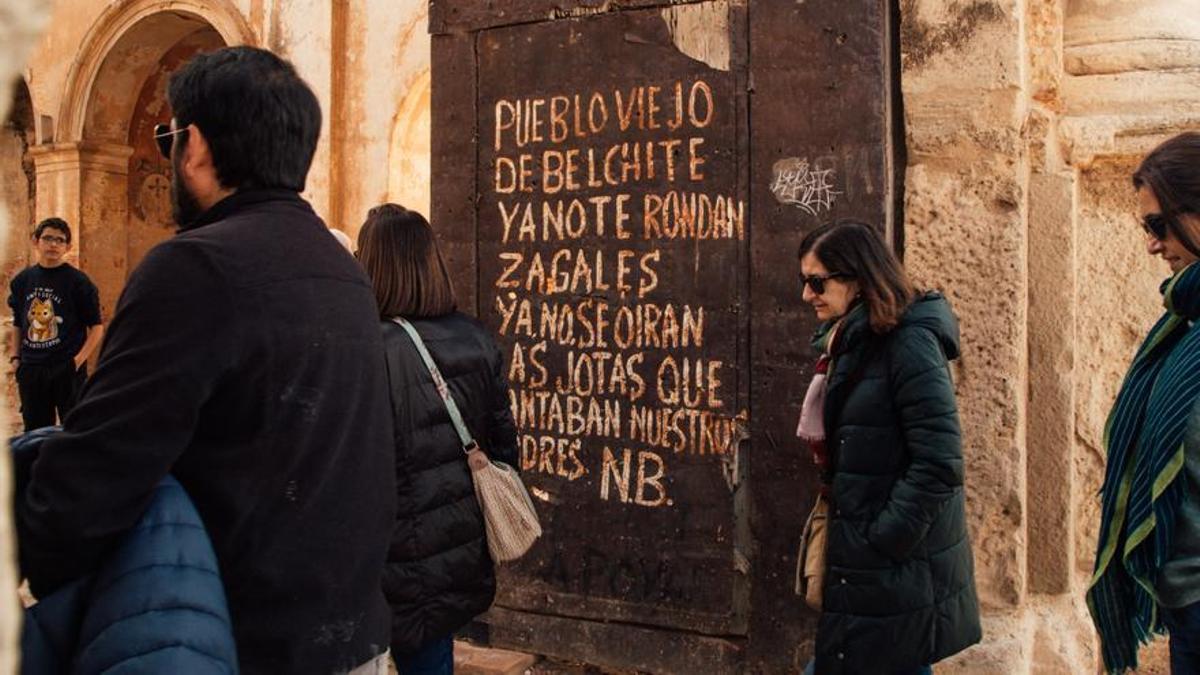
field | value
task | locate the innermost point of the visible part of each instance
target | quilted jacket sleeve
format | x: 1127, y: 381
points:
x: 924, y: 400
x: 158, y: 604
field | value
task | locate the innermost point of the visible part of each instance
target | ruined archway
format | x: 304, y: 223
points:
x: 16, y: 198
x: 102, y: 172
x: 149, y: 178
x: 409, y: 156
x: 138, y: 19
x: 17, y: 177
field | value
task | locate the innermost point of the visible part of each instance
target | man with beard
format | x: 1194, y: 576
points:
x: 245, y: 359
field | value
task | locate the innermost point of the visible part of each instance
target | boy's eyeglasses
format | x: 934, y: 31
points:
x: 52, y: 239
x: 164, y: 137
x: 817, y: 282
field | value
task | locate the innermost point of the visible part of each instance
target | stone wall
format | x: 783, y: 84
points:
x: 16, y: 199
x: 384, y: 155
x: 1024, y: 121
x: 21, y: 23
x: 965, y: 234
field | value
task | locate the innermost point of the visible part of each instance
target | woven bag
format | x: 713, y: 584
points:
x: 810, y: 563
x: 509, y: 517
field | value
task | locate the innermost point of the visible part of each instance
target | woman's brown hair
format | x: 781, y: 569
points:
x: 1172, y: 172
x: 397, y: 248
x: 855, y: 250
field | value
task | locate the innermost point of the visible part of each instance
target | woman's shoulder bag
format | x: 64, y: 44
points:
x: 508, y: 514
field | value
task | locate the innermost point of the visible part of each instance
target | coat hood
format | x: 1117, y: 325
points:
x: 932, y: 312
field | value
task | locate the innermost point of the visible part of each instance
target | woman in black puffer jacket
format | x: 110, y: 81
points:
x: 438, y: 574
x: 881, y: 419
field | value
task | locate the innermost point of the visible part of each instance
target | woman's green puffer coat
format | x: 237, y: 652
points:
x: 900, y: 585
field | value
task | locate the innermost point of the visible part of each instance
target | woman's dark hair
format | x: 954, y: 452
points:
x: 398, y: 250
x: 1172, y: 172
x: 856, y: 250
x: 259, y: 117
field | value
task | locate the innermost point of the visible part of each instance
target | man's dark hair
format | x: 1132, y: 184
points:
x: 260, y: 119
x: 856, y: 250
x: 55, y: 224
x: 1172, y: 172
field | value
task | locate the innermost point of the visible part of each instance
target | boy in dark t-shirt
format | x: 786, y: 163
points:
x: 56, y: 327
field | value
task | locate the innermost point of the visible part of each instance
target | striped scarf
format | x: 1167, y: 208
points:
x: 1141, y: 496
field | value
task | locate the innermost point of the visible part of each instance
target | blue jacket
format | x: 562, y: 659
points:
x: 156, y: 604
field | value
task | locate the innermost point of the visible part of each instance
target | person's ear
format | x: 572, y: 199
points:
x: 197, y: 155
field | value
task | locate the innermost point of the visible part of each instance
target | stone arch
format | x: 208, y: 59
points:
x: 103, y: 170
x: 121, y: 28
x: 410, y: 149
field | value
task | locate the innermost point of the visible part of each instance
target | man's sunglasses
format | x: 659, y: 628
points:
x: 817, y: 283
x: 164, y: 136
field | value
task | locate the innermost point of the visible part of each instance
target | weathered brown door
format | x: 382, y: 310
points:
x: 596, y: 168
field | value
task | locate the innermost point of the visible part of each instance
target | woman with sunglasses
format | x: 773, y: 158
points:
x: 1147, y: 574
x: 880, y: 418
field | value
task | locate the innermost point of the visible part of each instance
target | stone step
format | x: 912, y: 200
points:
x: 470, y: 659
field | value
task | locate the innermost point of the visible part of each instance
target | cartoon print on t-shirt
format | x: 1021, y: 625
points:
x: 43, y: 322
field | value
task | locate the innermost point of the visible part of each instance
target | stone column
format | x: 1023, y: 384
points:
x: 1132, y: 72
x: 991, y: 206
x: 21, y: 23
x: 57, y: 170
x: 966, y: 234
x: 307, y: 39
x: 1050, y: 436
x: 87, y: 184
x: 1120, y: 36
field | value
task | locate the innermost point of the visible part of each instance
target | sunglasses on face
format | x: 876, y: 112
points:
x: 164, y: 136
x: 1156, y: 225
x: 817, y: 282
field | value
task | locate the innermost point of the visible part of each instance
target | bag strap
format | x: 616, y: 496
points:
x: 464, y: 435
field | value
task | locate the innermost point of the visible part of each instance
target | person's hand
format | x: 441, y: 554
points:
x: 79, y: 362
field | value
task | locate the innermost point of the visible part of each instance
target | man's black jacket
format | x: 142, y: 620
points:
x: 245, y: 359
